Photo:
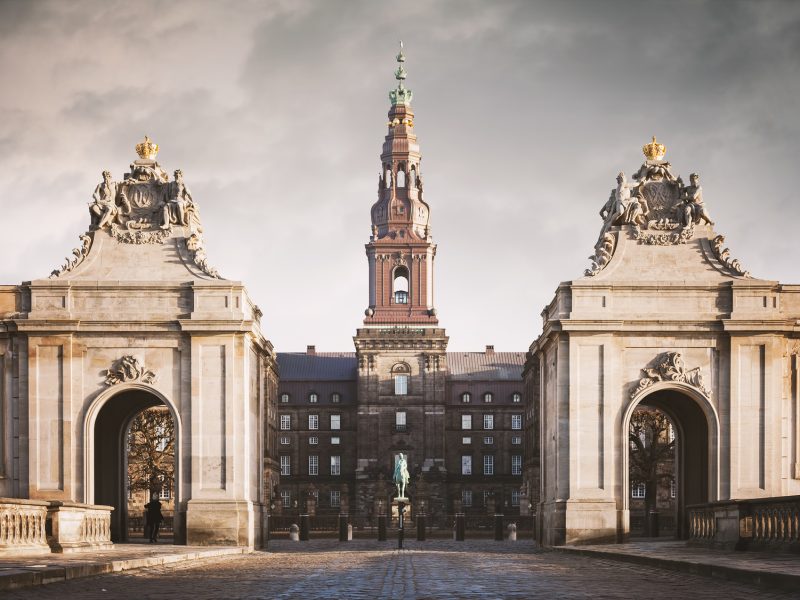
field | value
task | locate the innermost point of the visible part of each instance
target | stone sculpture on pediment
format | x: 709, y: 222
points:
x: 104, y: 208
x: 659, y: 208
x: 691, y: 196
x: 129, y: 369
x: 669, y: 366
x: 178, y: 204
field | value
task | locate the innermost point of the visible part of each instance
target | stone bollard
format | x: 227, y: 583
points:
x: 305, y: 527
x: 382, y: 528
x: 498, y: 528
x: 294, y: 533
x: 349, y: 532
x: 461, y: 527
x: 512, y: 532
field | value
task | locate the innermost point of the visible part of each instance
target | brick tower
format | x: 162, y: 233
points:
x: 400, y: 350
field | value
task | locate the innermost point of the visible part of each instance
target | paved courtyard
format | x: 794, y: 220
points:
x: 367, y: 569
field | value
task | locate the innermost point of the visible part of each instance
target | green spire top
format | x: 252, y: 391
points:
x: 400, y: 95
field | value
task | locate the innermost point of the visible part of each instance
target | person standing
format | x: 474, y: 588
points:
x: 154, y: 517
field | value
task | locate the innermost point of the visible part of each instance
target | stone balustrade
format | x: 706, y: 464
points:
x: 759, y: 523
x: 75, y: 527
x: 22, y: 527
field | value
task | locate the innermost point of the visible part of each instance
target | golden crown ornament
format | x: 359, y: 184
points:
x: 654, y: 150
x: 149, y: 149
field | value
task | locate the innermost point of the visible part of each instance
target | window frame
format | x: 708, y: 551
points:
x: 516, y: 464
x: 313, y: 465
x: 466, y: 464
x: 466, y: 419
x: 488, y: 422
x: 286, y: 465
x: 337, y: 419
x: 516, y: 422
x: 286, y: 422
x: 336, y: 464
x: 488, y: 464
x: 313, y: 422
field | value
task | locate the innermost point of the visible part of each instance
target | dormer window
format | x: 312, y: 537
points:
x: 466, y: 398
x: 400, y: 285
x: 312, y: 398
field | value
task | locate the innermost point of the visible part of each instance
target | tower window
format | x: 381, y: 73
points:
x: 400, y: 374
x: 400, y: 286
x: 401, y: 385
x: 401, y: 178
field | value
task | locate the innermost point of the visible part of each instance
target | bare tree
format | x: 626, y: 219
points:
x: 151, y: 450
x: 652, y: 455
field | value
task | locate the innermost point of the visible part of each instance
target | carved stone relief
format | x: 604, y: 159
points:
x: 724, y: 256
x: 670, y: 367
x: 128, y: 368
x: 662, y: 210
x: 79, y: 255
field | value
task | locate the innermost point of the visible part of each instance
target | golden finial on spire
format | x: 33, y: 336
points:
x: 654, y: 150
x: 147, y: 149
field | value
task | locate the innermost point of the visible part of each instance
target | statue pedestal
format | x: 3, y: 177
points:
x: 400, y: 505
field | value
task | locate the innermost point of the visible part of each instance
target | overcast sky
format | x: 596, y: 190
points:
x: 276, y: 112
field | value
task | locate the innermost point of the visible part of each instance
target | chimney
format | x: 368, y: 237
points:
x: 311, y: 350
x: 489, y: 349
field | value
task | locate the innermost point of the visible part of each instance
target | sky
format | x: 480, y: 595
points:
x: 276, y: 113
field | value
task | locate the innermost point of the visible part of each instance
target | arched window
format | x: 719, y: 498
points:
x: 401, y: 373
x: 516, y: 398
x: 400, y: 285
x: 312, y: 398
x: 487, y: 397
x: 412, y: 177
x: 388, y: 178
x: 401, y: 177
x: 466, y: 398
x: 285, y: 398
x: 335, y: 397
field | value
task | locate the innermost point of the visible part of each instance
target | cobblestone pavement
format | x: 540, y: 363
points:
x: 367, y: 569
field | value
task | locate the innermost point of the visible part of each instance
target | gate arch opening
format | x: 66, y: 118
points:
x: 696, y: 457
x: 108, y: 425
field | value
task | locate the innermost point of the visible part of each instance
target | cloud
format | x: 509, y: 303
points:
x: 276, y: 113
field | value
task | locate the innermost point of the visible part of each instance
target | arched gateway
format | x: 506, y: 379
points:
x: 664, y: 318
x: 137, y: 318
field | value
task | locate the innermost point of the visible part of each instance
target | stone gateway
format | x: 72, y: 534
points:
x: 136, y: 318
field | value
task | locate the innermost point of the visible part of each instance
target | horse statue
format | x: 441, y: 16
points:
x: 401, y: 476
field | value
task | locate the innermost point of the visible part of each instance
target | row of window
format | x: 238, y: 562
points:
x: 312, y: 440
x: 488, y: 422
x: 335, y: 498
x: 401, y: 389
x: 400, y: 421
x: 639, y: 490
x: 489, y: 440
x: 313, y: 398
x: 488, y: 397
x: 488, y: 464
x: 466, y: 497
x: 313, y: 422
x: 313, y: 465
